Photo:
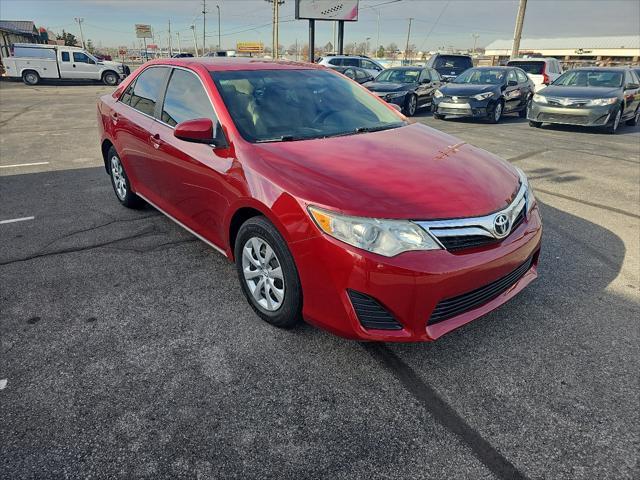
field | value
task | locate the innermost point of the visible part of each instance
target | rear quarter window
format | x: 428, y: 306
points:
x: 534, y: 68
x: 147, y: 89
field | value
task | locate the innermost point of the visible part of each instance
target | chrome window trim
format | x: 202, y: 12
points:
x: 483, y: 225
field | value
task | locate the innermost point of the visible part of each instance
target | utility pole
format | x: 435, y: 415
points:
x: 179, y: 46
x: 170, y: 51
x: 204, y: 25
x: 378, y: 36
x: 475, y: 40
x: 518, y: 32
x: 219, y: 32
x: 406, y: 48
x: 195, y: 42
x: 80, y: 20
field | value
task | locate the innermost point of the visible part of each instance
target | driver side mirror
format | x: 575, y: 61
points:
x: 631, y: 86
x: 200, y: 130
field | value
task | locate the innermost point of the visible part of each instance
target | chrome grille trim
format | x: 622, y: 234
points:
x: 477, y: 226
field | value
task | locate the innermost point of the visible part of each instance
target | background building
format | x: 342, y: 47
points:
x: 572, y: 51
x: 17, y: 31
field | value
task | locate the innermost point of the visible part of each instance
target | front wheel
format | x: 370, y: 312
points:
x: 535, y: 124
x: 635, y: 120
x: 120, y: 181
x: 438, y: 116
x: 496, y: 114
x: 612, y: 127
x: 268, y: 274
x: 31, y: 78
x: 110, y: 78
x: 411, y: 105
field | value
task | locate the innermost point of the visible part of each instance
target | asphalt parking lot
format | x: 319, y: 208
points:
x: 129, y: 352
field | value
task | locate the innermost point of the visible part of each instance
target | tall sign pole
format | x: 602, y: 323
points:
x: 312, y: 39
x: 340, y: 37
x: 518, y: 32
x: 219, y: 31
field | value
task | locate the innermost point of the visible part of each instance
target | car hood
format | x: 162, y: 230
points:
x: 110, y: 63
x: 580, y: 92
x: 390, y: 86
x: 412, y: 172
x: 465, y: 90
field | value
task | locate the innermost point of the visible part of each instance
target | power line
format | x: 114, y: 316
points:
x: 434, y: 24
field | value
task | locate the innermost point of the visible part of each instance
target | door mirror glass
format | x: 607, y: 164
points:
x: 199, y: 130
x: 631, y: 86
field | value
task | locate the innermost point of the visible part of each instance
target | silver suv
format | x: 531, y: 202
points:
x: 370, y: 65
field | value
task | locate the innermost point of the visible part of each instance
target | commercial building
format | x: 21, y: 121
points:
x: 17, y: 31
x: 573, y: 51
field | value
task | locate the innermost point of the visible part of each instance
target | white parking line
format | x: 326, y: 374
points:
x: 18, y: 165
x: 13, y: 220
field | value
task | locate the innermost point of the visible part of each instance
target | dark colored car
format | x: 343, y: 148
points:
x: 410, y: 88
x: 182, y: 55
x: 593, y: 97
x: 449, y: 66
x: 358, y: 74
x: 485, y: 92
x: 332, y: 206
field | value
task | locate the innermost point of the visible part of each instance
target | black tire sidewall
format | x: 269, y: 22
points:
x: 107, y: 75
x: 290, y: 312
x: 406, y: 107
x: 492, y: 115
x: 24, y: 78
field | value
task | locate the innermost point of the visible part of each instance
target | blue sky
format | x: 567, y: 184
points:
x: 437, y: 23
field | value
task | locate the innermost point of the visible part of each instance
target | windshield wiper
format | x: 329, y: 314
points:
x: 282, y: 138
x: 378, y: 128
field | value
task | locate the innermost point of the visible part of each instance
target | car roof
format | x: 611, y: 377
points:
x: 604, y: 69
x: 497, y: 67
x: 452, y: 55
x: 216, y: 64
x: 406, y: 67
x: 345, y: 56
x: 532, y: 59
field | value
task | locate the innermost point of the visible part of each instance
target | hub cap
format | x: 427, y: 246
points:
x: 412, y: 105
x: 119, y: 182
x: 498, y: 112
x: 31, y: 78
x: 616, y: 122
x: 263, y: 273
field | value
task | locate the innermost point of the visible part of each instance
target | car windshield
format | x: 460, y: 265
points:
x: 287, y: 105
x: 482, y: 76
x: 534, y: 68
x: 590, y: 78
x: 399, y: 76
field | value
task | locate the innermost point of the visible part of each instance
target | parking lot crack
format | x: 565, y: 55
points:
x: 433, y: 402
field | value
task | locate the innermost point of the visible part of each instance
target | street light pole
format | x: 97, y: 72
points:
x: 475, y: 40
x: 80, y: 20
x: 219, y: 32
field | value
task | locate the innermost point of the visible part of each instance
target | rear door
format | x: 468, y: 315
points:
x: 513, y: 93
x: 631, y: 93
x: 526, y: 88
x: 65, y: 64
x: 191, y: 177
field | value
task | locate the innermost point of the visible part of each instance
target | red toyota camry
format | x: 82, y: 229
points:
x: 333, y: 207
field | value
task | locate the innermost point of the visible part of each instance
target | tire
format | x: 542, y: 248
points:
x: 30, y: 77
x: 110, y: 78
x: 535, y: 124
x: 411, y: 106
x: 496, y: 114
x: 120, y: 182
x: 278, y: 297
x: 635, y: 120
x: 612, y: 127
x: 438, y: 116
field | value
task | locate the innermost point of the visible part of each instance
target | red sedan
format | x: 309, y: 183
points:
x: 332, y: 205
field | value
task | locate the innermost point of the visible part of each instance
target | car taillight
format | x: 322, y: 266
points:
x: 545, y: 77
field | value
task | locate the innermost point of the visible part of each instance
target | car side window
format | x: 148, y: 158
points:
x: 147, y: 89
x: 511, y: 76
x: 185, y: 99
x: 361, y: 76
x: 335, y: 61
x: 128, y: 93
x: 349, y: 72
x: 351, y: 62
x: 80, y: 57
x: 65, y: 56
x: 424, y: 75
x: 369, y: 65
x: 522, y: 77
x: 435, y: 76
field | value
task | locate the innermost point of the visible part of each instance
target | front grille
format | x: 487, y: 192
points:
x: 454, y: 111
x: 456, y: 100
x: 572, y: 119
x: 572, y: 102
x: 371, y: 314
x: 468, y: 301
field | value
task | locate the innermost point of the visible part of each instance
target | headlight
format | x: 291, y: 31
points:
x: 599, y: 102
x: 120, y: 69
x: 483, y: 96
x: 529, y: 198
x: 539, y: 98
x: 395, y: 94
x: 438, y: 94
x: 384, y: 237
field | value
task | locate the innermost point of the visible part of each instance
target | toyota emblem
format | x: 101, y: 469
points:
x: 501, y: 225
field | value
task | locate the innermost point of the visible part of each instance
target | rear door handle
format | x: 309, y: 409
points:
x: 155, y: 141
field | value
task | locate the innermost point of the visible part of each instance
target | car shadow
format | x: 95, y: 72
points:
x: 622, y: 129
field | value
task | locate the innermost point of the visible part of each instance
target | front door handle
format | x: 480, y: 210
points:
x: 155, y: 141
x: 74, y: 65
x: 114, y: 117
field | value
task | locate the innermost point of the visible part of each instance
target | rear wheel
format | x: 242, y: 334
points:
x: 496, y: 114
x: 411, y: 105
x: 535, y: 124
x: 120, y: 182
x: 268, y: 274
x: 438, y: 116
x: 612, y: 127
x: 635, y: 120
x: 30, y: 77
x: 110, y: 78
x: 523, y: 113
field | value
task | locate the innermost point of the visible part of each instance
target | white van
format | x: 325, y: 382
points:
x: 541, y: 71
x: 33, y: 62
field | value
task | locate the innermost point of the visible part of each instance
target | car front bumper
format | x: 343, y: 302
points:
x: 586, y: 116
x: 471, y: 108
x: 399, y: 100
x: 410, y: 285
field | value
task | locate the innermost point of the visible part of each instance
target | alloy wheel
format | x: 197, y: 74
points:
x: 263, y: 273
x: 616, y: 122
x: 411, y: 107
x: 119, y: 180
x: 497, y: 113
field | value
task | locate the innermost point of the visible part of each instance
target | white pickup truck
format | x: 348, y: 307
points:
x: 33, y: 62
